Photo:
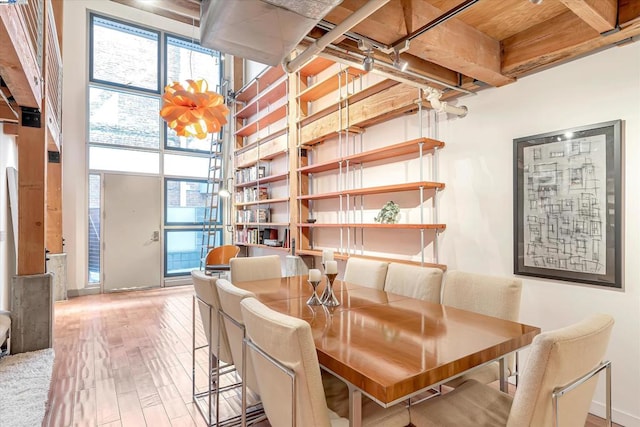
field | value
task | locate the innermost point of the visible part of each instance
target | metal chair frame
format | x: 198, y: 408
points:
x: 558, y: 392
x: 285, y: 369
x: 214, y: 373
x: 254, y: 413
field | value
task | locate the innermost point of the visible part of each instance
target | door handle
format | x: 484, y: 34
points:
x: 155, y: 236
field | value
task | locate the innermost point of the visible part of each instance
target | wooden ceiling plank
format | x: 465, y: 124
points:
x: 453, y: 44
x: 560, y: 39
x: 599, y: 14
x: 628, y: 12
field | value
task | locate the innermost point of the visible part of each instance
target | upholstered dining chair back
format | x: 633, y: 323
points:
x: 209, y: 304
x: 561, y: 362
x: 413, y: 281
x: 557, y: 358
x: 288, y: 340
x: 366, y: 272
x: 255, y: 268
x: 230, y: 298
x: 489, y: 295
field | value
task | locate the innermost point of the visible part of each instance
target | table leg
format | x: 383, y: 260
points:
x: 504, y: 385
x: 355, y: 406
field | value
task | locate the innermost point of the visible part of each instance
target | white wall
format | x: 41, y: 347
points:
x: 76, y: 76
x: 8, y: 158
x: 476, y: 166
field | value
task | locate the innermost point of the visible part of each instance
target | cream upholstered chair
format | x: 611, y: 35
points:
x: 208, y: 303
x: 219, y: 361
x: 366, y: 272
x: 413, y: 281
x: 230, y: 298
x: 489, y: 295
x: 288, y: 373
x: 562, y: 361
x: 255, y: 268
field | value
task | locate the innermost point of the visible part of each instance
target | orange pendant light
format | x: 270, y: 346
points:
x: 194, y: 111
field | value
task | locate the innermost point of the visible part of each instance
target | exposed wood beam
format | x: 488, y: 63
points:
x: 560, y: 39
x: 601, y: 15
x: 10, y: 129
x: 32, y: 172
x: 186, y: 11
x: 453, y: 44
x: 628, y: 12
x: 54, y: 208
x: 18, y: 66
x: 7, y: 114
x: 407, y: 8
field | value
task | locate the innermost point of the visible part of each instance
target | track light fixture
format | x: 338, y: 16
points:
x: 536, y: 1
x: 368, y: 61
x: 367, y: 48
x: 398, y: 62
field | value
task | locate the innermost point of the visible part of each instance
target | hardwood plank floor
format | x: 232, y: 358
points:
x: 124, y: 359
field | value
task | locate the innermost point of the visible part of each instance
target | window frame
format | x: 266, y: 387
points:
x: 158, y: 90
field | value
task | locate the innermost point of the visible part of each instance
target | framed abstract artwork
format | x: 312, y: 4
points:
x: 567, y: 205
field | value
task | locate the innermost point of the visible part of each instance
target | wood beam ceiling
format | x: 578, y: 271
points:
x: 453, y: 44
x: 601, y: 15
x: 562, y: 38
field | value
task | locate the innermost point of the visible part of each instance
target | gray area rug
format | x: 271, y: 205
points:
x: 24, y: 387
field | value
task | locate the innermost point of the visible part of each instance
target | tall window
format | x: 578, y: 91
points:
x: 128, y: 68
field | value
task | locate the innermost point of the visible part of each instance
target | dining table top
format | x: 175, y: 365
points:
x: 388, y: 345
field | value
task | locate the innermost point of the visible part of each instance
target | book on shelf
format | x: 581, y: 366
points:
x: 252, y: 173
x: 253, y: 215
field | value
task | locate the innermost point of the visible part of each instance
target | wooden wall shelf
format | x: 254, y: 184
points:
x: 267, y: 179
x: 260, y: 83
x: 439, y: 227
x: 263, y: 122
x: 330, y: 84
x: 354, y: 97
x: 262, y: 224
x: 316, y: 66
x: 384, y: 153
x: 263, y: 202
x: 409, y: 186
x: 253, y: 245
x: 264, y: 100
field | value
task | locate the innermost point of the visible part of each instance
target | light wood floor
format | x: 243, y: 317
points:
x: 124, y: 359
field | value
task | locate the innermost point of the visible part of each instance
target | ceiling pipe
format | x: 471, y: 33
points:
x: 348, y: 57
x: 433, y: 96
x: 317, y: 46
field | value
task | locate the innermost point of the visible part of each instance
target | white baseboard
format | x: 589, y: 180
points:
x: 619, y: 417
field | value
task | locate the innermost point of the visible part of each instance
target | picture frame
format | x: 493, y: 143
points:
x: 567, y: 205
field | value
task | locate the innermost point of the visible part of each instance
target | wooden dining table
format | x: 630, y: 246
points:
x: 391, y: 347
